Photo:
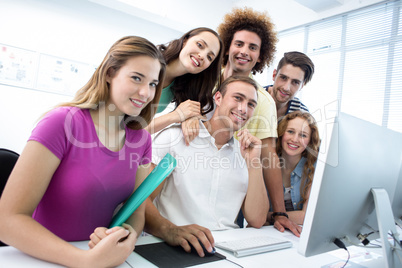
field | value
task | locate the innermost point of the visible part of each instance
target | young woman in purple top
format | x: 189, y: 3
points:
x: 83, y: 159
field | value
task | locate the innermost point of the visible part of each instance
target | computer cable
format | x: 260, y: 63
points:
x: 374, y: 245
x: 370, y: 245
x: 234, y: 263
x: 394, y: 247
x: 129, y: 264
x: 363, y: 239
x: 340, y: 244
x: 395, y: 241
x: 399, y: 242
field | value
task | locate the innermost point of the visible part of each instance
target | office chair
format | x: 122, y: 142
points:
x: 8, y: 159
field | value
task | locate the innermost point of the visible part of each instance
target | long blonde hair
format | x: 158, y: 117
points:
x: 96, y: 90
x: 310, y: 153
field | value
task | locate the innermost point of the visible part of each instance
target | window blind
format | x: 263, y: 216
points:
x: 358, y: 63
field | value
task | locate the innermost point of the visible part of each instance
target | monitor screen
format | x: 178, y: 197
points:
x: 356, y: 156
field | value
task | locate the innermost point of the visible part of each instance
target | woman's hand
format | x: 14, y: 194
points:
x: 191, y: 129
x: 188, y: 109
x: 102, y: 232
x: 111, y: 247
x: 184, y: 111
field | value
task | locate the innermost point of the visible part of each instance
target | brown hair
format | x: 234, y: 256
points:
x: 311, y: 152
x: 96, y: 90
x: 196, y: 87
x: 253, y: 21
x: 236, y: 78
x: 301, y: 60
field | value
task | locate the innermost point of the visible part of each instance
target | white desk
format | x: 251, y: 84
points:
x: 11, y: 257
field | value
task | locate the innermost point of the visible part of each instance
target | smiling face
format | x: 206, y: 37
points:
x: 133, y: 86
x: 287, y: 82
x: 296, y: 137
x: 199, y: 52
x: 244, y: 52
x: 236, y: 106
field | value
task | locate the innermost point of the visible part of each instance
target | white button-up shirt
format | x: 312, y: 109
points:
x: 208, y: 186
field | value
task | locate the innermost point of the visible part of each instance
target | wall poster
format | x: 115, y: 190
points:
x: 62, y: 76
x: 28, y: 69
x: 17, y: 66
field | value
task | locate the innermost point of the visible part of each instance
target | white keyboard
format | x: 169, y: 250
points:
x: 253, y: 245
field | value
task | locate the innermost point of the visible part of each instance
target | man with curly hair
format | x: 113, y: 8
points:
x: 249, y: 41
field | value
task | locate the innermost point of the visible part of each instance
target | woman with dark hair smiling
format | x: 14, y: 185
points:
x: 192, y: 71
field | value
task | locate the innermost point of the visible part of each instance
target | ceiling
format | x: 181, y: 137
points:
x: 183, y: 15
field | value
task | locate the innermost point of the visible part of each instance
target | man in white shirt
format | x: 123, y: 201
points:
x: 216, y: 175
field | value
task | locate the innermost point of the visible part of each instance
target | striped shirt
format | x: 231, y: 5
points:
x: 295, y: 105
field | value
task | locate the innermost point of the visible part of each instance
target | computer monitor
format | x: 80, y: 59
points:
x: 397, y: 201
x: 356, y: 157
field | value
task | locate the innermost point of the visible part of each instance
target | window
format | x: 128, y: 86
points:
x: 358, y: 63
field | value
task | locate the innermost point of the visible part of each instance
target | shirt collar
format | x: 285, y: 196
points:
x: 204, y: 133
x: 299, y: 168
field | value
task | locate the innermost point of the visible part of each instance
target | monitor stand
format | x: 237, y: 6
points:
x: 386, y: 224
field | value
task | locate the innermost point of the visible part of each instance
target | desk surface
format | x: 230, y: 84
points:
x: 11, y: 257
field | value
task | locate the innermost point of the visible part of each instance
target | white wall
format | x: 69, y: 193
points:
x: 83, y: 30
x: 76, y: 30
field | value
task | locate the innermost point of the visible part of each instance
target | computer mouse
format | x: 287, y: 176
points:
x: 206, y: 252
